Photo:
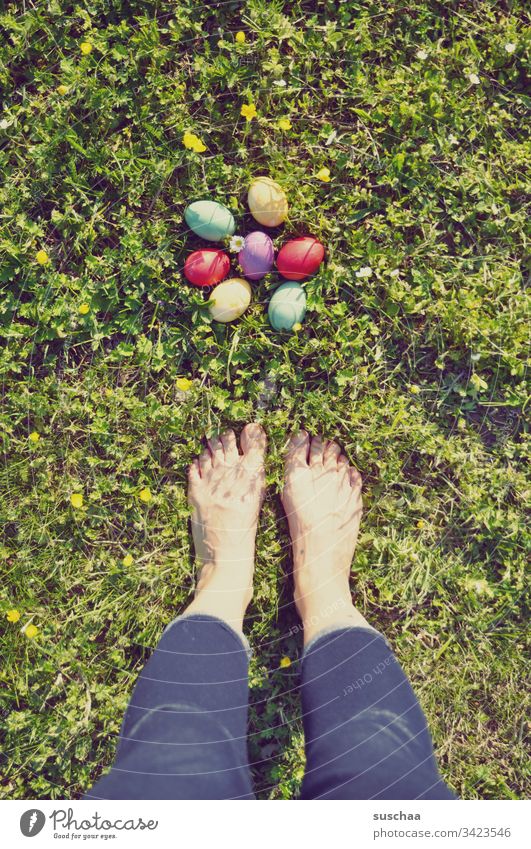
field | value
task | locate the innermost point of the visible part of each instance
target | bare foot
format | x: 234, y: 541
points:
x: 226, y: 490
x: 323, y: 504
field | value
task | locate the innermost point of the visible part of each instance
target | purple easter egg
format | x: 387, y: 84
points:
x: 257, y: 255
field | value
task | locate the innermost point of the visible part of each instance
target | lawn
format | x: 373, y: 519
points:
x: 397, y: 132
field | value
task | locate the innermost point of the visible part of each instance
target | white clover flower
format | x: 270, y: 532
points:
x: 510, y: 47
x: 281, y: 83
x: 236, y: 244
x: 366, y: 271
x: 474, y: 79
x: 422, y: 54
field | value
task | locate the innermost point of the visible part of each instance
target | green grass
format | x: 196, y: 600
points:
x: 419, y: 369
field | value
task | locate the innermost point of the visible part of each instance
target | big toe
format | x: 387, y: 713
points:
x: 253, y: 443
x: 297, y: 453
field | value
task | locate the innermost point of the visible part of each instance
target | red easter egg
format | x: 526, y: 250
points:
x: 300, y: 257
x: 206, y: 267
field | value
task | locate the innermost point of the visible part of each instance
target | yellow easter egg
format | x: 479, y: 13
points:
x: 267, y: 202
x: 230, y: 299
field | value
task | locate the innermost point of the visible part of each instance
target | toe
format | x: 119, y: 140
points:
x: 230, y: 446
x: 343, y: 468
x: 216, y: 449
x: 316, y: 451
x: 205, y: 462
x: 194, y: 472
x: 331, y: 453
x: 298, y: 449
x: 355, y: 478
x: 253, y: 442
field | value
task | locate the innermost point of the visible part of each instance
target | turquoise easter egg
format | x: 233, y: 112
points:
x: 210, y: 220
x: 287, y: 306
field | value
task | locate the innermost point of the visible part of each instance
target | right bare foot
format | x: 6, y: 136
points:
x: 323, y: 504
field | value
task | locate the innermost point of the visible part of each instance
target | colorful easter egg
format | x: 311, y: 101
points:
x: 230, y: 299
x: 287, y: 306
x: 257, y: 255
x: 267, y: 202
x: 206, y: 267
x: 210, y: 220
x: 300, y: 257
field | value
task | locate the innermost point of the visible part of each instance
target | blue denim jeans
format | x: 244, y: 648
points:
x: 184, y: 731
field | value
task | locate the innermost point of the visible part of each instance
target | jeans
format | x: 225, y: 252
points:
x: 184, y: 731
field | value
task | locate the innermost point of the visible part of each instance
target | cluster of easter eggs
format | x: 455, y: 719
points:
x: 297, y: 259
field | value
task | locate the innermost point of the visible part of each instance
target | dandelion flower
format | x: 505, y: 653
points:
x: 284, y: 124
x: 145, y: 495
x: 324, y: 175
x: 193, y: 142
x: 31, y: 631
x: 296, y: 327
x: 128, y: 560
x: 84, y: 309
x: 240, y: 37
x: 415, y: 390
x: 510, y: 47
x: 420, y: 524
x: 62, y: 90
x: 13, y: 615
x: 85, y: 47
x: 474, y: 79
x: 248, y: 111
x: 285, y: 662
x: 34, y: 436
x: 42, y: 257
x: 236, y: 244
x: 76, y: 500
x: 183, y: 384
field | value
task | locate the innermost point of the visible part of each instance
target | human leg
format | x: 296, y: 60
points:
x: 184, y: 732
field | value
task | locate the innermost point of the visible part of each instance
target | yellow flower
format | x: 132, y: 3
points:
x: 324, y: 175
x: 248, y: 111
x: 145, y: 494
x: 193, y: 142
x: 284, y: 124
x: 42, y: 257
x: 13, y: 615
x: 183, y: 384
x: 240, y: 37
x: 85, y: 47
x: 31, y: 631
x: 84, y: 309
x: 296, y: 327
x: 34, y: 436
x: 285, y: 662
x: 128, y: 560
x: 62, y: 90
x: 415, y: 390
x: 420, y: 523
x: 76, y: 500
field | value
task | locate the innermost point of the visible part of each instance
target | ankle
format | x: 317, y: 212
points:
x: 327, y: 608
